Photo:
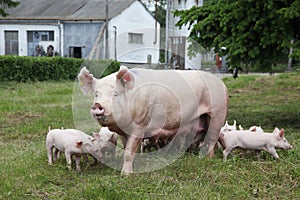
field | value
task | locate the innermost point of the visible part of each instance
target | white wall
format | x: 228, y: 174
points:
x: 135, y: 19
x: 194, y: 62
x: 22, y: 29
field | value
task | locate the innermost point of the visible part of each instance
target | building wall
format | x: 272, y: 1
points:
x: 80, y: 34
x: 22, y: 33
x: 174, y: 31
x: 135, y: 19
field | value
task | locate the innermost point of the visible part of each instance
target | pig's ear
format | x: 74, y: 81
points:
x: 125, y: 77
x: 78, y: 144
x: 92, y: 139
x: 96, y: 135
x: 113, y: 139
x: 87, y: 81
x: 281, y: 133
x: 253, y: 129
x: 226, y: 125
x: 241, y: 128
x: 276, y: 130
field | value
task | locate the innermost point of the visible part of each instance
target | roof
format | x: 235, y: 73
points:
x: 67, y: 9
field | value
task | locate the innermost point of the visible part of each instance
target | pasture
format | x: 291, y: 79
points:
x: 27, y: 109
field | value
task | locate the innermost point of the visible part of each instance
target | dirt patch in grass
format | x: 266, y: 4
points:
x: 13, y: 119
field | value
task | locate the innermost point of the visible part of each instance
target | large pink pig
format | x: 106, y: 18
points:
x: 139, y: 103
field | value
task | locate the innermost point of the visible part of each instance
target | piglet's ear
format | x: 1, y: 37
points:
x: 87, y: 82
x: 113, y: 139
x: 96, y: 135
x: 281, y: 133
x: 241, y: 128
x: 78, y: 144
x: 276, y: 130
x: 125, y: 77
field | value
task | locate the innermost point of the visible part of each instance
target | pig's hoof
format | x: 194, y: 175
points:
x: 123, y: 173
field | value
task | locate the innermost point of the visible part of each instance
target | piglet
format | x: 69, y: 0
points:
x: 255, y: 141
x: 71, y: 142
x: 108, y: 141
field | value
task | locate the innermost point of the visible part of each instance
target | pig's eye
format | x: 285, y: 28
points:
x: 115, y: 94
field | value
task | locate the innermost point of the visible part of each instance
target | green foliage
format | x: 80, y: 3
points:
x: 101, y: 68
x: 6, y: 4
x: 22, y: 69
x: 255, y: 33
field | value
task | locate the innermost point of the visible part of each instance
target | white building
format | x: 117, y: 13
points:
x: 176, y: 39
x: 76, y: 28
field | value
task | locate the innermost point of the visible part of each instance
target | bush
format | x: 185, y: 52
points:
x: 101, y: 68
x: 23, y: 69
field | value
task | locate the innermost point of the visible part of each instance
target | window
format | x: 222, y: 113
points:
x: 44, y: 37
x: 75, y: 52
x: 11, y: 42
x: 40, y: 36
x: 136, y: 38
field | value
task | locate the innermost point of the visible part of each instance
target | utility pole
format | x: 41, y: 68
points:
x: 106, y: 30
x: 290, y: 58
x: 156, y: 18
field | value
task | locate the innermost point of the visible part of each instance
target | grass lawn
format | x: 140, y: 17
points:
x: 27, y: 109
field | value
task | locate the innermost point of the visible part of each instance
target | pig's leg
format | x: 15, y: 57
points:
x: 226, y: 152
x: 55, y: 154
x: 132, y: 146
x: 86, y: 158
x: 219, y: 108
x: 258, y: 153
x: 58, y: 154
x: 272, y: 151
x: 49, y: 153
x: 77, y: 161
x: 142, y: 147
x: 68, y: 159
x: 212, y: 136
x: 124, y: 140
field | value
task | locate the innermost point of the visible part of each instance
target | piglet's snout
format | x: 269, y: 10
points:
x: 97, y: 110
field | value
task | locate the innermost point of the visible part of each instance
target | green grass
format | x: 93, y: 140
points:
x: 27, y: 109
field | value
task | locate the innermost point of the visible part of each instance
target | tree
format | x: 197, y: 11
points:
x: 255, y: 33
x: 6, y: 4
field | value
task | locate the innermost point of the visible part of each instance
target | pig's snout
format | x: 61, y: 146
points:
x: 97, y: 110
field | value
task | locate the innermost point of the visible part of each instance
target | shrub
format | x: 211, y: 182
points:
x: 22, y: 69
x: 101, y: 68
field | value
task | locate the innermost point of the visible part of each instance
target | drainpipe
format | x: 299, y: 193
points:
x: 115, y: 30
x: 167, y: 33
x: 60, y: 42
